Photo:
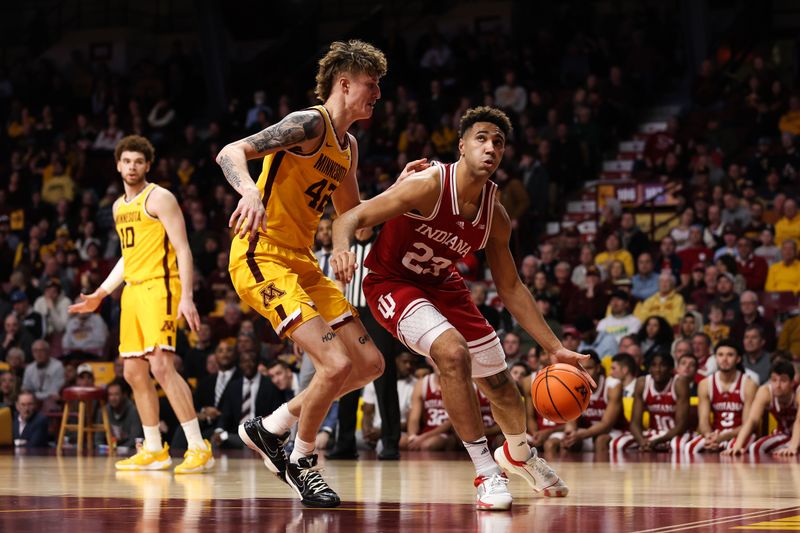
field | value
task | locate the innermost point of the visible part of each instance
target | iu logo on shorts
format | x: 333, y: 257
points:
x: 386, y: 305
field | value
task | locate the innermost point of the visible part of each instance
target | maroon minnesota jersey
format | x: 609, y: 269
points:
x: 784, y: 414
x: 424, y: 249
x: 662, y: 404
x: 727, y: 406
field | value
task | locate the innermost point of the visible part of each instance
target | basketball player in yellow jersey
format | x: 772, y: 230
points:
x: 309, y: 159
x: 156, y: 265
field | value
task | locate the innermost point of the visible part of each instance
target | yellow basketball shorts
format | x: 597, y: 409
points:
x: 286, y: 286
x: 147, y: 319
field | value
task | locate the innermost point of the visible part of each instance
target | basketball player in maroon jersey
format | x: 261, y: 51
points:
x: 781, y: 400
x: 429, y: 426
x: 727, y: 395
x: 433, y: 219
x: 666, y: 397
x: 603, y: 420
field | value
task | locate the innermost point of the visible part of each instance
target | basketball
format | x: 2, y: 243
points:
x: 560, y: 393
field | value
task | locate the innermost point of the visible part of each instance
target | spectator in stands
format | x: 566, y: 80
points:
x: 586, y: 262
x: 625, y: 369
x: 284, y: 378
x: 693, y: 253
x: 564, y: 288
x: 9, y: 389
x: 789, y: 340
x: 756, y: 358
x: 752, y: 267
x: 734, y: 213
x: 788, y: 227
x: 194, y: 362
x: 680, y: 233
x: 726, y: 298
x: 15, y: 336
x: 510, y: 96
x: 667, y: 302
x: 613, y: 252
x: 620, y: 321
x: 478, y: 291
x: 767, y: 248
x: 16, y: 361
x: 29, y: 426
x: 790, y: 121
x: 371, y: 421
x: 44, y: 376
x: 729, y: 238
x: 644, y: 283
x: 631, y: 236
x: 680, y: 348
x: 667, y: 258
x: 785, y: 276
x: 654, y: 337
x: 750, y: 316
x: 86, y: 335
x: 249, y: 395
x: 29, y: 319
x: 548, y: 261
x: 527, y: 270
x: 511, y: 346
x: 601, y: 342
x: 701, y: 349
x: 716, y: 328
x: 52, y: 305
x: 122, y: 417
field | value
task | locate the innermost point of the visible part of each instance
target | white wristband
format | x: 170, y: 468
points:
x: 114, y: 279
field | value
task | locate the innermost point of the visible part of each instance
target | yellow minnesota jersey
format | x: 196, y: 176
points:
x: 146, y: 249
x: 295, y: 187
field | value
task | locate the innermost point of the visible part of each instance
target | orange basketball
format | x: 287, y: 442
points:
x: 560, y: 393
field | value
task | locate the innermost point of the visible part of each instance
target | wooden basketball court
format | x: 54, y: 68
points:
x: 422, y: 492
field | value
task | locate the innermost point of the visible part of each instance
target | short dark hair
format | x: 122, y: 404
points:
x: 593, y: 356
x: 279, y: 362
x: 728, y: 343
x: 755, y: 327
x: 665, y: 357
x: 628, y: 361
x: 484, y: 114
x: 783, y: 368
x: 524, y: 366
x: 135, y: 143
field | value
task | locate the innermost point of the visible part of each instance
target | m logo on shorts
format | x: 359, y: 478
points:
x: 269, y: 293
x: 169, y: 325
x: 386, y: 305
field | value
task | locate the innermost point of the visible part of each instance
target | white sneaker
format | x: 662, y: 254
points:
x: 493, y: 493
x: 535, y: 471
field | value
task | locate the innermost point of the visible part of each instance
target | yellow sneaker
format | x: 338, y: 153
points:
x: 196, y: 461
x: 146, y: 460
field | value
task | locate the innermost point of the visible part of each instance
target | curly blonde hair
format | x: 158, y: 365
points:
x: 352, y: 56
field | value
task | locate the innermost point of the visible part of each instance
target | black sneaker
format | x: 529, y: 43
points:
x: 268, y: 445
x: 304, y: 477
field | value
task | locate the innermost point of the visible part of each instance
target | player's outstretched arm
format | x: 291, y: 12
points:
x: 163, y: 204
x: 517, y: 298
x: 760, y: 404
x: 301, y: 130
x: 90, y: 302
x: 418, y: 192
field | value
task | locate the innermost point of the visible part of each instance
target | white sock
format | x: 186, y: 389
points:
x: 301, y: 449
x: 280, y: 421
x: 152, y: 439
x: 482, y: 457
x: 194, y: 438
x: 518, y: 447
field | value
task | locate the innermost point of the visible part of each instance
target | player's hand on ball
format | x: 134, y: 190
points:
x: 89, y: 302
x: 562, y: 355
x: 343, y: 263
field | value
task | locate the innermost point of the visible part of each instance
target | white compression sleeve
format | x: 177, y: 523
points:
x: 114, y: 279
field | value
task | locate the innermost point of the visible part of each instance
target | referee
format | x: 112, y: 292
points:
x: 386, y: 385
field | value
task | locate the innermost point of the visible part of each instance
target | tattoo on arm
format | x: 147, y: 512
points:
x: 295, y: 128
x: 498, y: 380
x: 229, y: 170
x: 363, y: 340
x: 328, y: 336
